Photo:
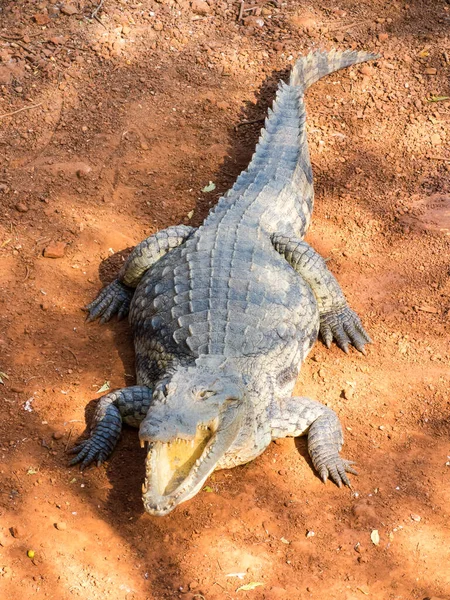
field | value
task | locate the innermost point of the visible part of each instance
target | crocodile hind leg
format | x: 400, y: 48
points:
x: 337, y: 320
x: 116, y: 297
x: 129, y: 405
x: 297, y: 416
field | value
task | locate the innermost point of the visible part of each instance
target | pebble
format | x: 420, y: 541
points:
x: 61, y: 526
x: 382, y: 37
x: 253, y: 22
x: 16, y: 532
x: 416, y: 518
x: 7, y: 572
x: 158, y: 26
x: 223, y: 105
x: 430, y: 71
x: 21, y: 207
x: 83, y: 171
x: 200, y: 7
x: 69, y: 10
x: 41, y: 18
x: 55, y: 250
x: 435, y: 139
x: 348, y: 393
x: 58, y: 435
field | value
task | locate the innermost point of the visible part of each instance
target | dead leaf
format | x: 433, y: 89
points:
x: 105, y: 387
x: 249, y: 586
x: 209, y: 188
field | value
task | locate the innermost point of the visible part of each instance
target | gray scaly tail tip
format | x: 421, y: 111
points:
x: 309, y: 69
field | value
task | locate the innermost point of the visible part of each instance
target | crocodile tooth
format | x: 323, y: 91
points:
x: 142, y: 443
x: 144, y: 489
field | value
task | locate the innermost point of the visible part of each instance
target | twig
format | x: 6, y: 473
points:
x: 438, y: 158
x: 27, y: 274
x: 14, y: 112
x: 101, y: 22
x: 72, y: 353
x: 68, y: 439
x: 241, y: 10
x: 94, y: 14
x: 260, y: 120
x: 20, y: 37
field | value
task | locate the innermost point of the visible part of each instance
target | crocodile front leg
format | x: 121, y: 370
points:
x: 130, y: 405
x: 337, y: 320
x: 297, y: 416
x: 116, y: 297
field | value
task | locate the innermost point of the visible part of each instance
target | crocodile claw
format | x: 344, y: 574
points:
x: 87, y: 452
x: 336, y: 469
x: 115, y: 298
x: 345, y: 328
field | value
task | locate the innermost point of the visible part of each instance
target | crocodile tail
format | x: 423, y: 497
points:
x: 309, y: 69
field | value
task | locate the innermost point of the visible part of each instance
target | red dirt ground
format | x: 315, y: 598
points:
x: 129, y: 115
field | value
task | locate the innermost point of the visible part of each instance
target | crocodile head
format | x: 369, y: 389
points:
x: 194, y: 420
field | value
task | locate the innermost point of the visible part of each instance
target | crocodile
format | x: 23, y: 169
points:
x: 224, y: 315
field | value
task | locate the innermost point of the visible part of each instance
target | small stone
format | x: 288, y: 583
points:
x: 144, y: 146
x: 310, y: 534
x: 348, y: 393
x: 430, y: 71
x: 383, y: 37
x: 58, y: 435
x: 16, y: 532
x: 57, y: 40
x: 21, y: 207
x: 55, y: 250
x: 4, y: 189
x: 41, y: 18
x: 83, y: 171
x: 436, y: 141
x: 223, y: 105
x: 416, y: 518
x: 322, y: 373
x: 200, y: 7
x: 45, y: 305
x: 193, y: 585
x: 253, y: 22
x: 61, y: 526
x: 366, y: 70
x: 84, y: 128
x: 69, y: 10
x: 158, y: 26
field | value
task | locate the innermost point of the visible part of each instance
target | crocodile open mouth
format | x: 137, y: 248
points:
x: 175, y: 470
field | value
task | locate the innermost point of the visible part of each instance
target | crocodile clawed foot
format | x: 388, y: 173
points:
x: 113, y: 299
x: 87, y: 452
x: 344, y: 327
x: 336, y: 469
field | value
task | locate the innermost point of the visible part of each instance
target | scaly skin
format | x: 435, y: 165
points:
x: 223, y: 317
